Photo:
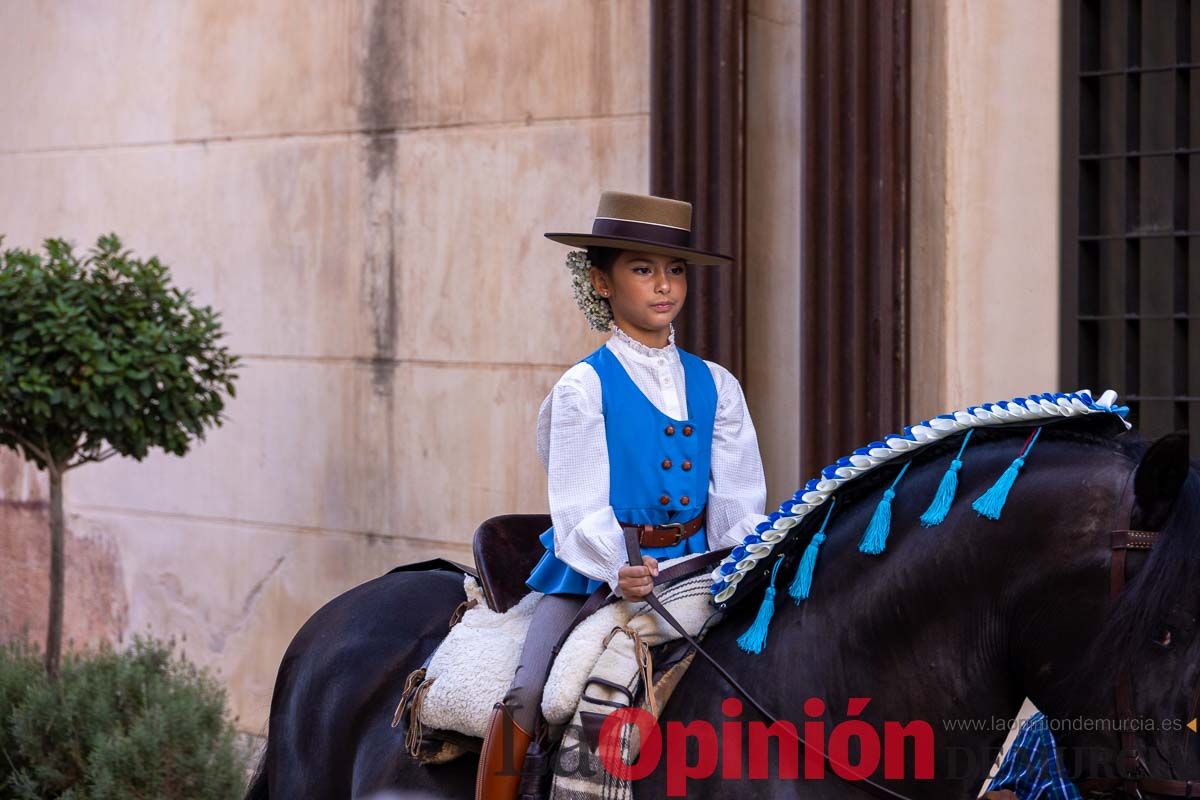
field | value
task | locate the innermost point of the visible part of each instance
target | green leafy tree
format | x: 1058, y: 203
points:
x: 101, y: 356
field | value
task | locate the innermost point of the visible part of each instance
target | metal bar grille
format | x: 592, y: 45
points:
x: 854, y: 226
x: 1131, y: 211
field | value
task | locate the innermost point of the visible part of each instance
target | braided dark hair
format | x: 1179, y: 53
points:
x: 603, y: 257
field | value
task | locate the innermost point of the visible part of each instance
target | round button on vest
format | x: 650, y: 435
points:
x: 666, y: 463
x: 687, y: 430
x: 664, y: 499
x: 670, y: 430
x: 683, y: 501
x: 687, y: 465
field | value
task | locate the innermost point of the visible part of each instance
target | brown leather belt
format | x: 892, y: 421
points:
x: 666, y: 535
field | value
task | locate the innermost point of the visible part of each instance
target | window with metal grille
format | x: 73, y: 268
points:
x: 1131, y: 207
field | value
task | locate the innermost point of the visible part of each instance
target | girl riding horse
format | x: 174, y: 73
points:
x: 639, y: 434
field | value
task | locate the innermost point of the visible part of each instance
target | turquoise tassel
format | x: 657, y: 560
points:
x: 946, y: 490
x: 802, y: 583
x: 875, y: 538
x: 755, y: 637
x: 990, y: 503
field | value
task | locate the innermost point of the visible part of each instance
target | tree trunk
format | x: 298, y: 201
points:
x: 54, y: 628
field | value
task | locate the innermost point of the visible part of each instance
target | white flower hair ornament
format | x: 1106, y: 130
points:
x: 593, y: 306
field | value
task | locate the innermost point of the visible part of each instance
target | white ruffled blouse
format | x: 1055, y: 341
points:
x: 572, y: 448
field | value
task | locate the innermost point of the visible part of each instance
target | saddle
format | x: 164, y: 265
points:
x: 506, y: 550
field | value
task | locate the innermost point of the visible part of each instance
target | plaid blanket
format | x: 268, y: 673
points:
x: 625, y: 663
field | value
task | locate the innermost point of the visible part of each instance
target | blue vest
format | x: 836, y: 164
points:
x: 658, y: 467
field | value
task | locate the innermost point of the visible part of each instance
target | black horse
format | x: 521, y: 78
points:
x: 953, y: 625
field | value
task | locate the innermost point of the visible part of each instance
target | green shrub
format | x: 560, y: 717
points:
x: 139, y: 723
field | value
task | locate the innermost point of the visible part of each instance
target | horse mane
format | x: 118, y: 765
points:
x: 1173, y: 565
x: 740, y: 572
x: 1100, y: 431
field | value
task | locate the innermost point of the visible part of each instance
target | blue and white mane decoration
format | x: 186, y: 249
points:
x: 759, y: 545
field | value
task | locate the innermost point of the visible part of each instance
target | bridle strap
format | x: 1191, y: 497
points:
x: 1130, y: 761
x: 1164, y: 787
x: 1122, y: 542
x: 1130, y: 758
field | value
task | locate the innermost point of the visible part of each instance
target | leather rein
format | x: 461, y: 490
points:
x: 704, y: 563
x: 634, y: 551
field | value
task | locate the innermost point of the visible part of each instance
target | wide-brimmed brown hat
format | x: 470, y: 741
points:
x: 644, y: 223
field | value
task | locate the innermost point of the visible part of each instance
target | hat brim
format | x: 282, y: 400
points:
x: 689, y: 255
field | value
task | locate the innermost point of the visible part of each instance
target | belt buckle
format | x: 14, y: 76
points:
x: 678, y: 532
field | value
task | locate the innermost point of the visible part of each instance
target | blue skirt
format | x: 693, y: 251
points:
x: 552, y: 575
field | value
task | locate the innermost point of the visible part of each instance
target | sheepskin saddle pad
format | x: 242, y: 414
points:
x: 474, y: 665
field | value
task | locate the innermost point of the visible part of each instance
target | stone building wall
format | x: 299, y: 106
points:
x: 361, y: 189
x: 984, y: 232
x: 774, y: 51
x: 985, y: 197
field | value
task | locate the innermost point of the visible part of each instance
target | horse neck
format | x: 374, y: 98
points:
x: 956, y: 624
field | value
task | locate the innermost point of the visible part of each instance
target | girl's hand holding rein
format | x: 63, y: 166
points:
x: 637, y: 582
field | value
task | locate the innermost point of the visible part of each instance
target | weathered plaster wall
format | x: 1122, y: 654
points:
x: 985, y: 194
x: 773, y: 155
x: 984, y: 234
x: 361, y: 189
